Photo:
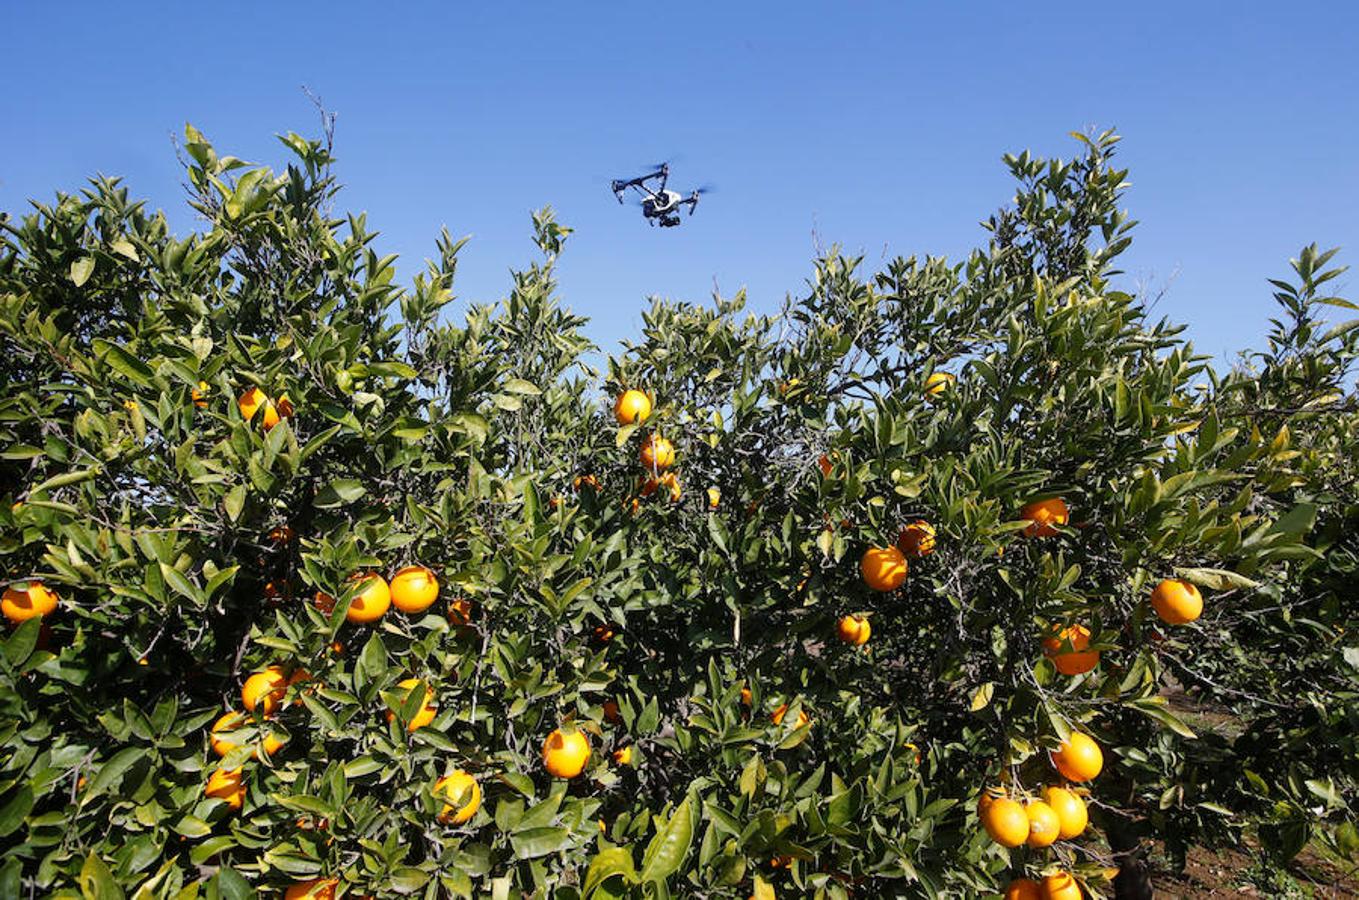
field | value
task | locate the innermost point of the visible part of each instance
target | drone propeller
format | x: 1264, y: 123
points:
x: 704, y: 189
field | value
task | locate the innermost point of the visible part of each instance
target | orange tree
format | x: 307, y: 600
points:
x: 317, y: 587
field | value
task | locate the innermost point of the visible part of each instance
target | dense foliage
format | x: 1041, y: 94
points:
x: 684, y: 619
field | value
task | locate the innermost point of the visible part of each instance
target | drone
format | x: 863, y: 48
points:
x: 659, y: 205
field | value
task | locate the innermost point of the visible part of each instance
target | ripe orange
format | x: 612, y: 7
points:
x: 282, y: 535
x: 21, y: 605
x: 220, y: 735
x: 883, y: 568
x: 1075, y: 661
x: 987, y: 797
x: 1061, y: 887
x: 585, y: 481
x: 937, y: 383
x: 1070, y: 810
x: 371, y: 601
x: 854, y: 630
x: 1023, y: 889
x: 603, y: 633
x: 226, y: 785
x: 670, y: 481
x: 250, y: 402
x: 778, y: 714
x: 1079, y: 758
x: 427, y: 711
x: 414, y: 589
x: 199, y: 395
x: 463, y: 795
x: 1044, y: 825
x: 460, y: 611
x: 1005, y: 821
x: 623, y: 757
x: 324, y: 602
x: 612, y: 714
x: 1043, y: 515
x: 315, y: 889
x: 916, y: 539
x: 632, y: 408
x: 714, y: 498
x: 826, y: 466
x: 265, y: 690
x: 746, y: 696
x: 1177, y: 602
x: 565, y: 755
x: 657, y: 453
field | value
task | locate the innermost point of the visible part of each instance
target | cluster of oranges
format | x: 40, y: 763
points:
x: 251, y: 402
x: 657, y: 455
x: 262, y: 693
x: 1059, y: 814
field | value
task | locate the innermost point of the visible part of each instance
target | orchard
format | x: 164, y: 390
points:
x: 951, y: 579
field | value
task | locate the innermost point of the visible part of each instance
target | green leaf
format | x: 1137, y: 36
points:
x: 124, y: 363
x: 16, y: 809
x: 1216, y: 579
x: 111, y: 771
x: 339, y: 492
x: 668, y: 848
x: 81, y: 270
x: 536, y: 842
x: 520, y: 386
x: 609, y: 863
x: 232, y: 886
x: 96, y: 881
x: 981, y: 697
x: 124, y: 247
x: 182, y: 585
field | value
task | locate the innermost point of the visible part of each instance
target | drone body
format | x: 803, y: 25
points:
x: 660, y: 206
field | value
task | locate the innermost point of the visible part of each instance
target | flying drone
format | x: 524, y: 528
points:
x: 659, y: 205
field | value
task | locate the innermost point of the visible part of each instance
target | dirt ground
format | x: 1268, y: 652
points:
x: 1232, y: 873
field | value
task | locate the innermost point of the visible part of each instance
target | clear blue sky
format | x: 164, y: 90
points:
x: 875, y: 125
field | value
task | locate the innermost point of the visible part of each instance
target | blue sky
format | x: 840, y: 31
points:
x: 878, y: 126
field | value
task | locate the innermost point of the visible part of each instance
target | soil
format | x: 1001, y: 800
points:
x: 1233, y: 873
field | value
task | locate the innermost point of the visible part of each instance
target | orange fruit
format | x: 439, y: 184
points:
x: 1042, y: 515
x: 463, y: 795
x: 746, y: 696
x: 414, y: 588
x: 1076, y: 660
x: 883, y: 568
x: 778, y: 714
x: 632, y: 408
x: 225, y: 785
x: 324, y: 602
x: 916, y: 539
x: 854, y: 630
x: 612, y: 714
x: 586, y: 481
x: 222, y: 744
x: 603, y: 633
x: 623, y: 757
x: 1072, y: 815
x: 264, y: 690
x: 1079, y: 758
x: 671, y: 482
x: 1044, y: 825
x: 826, y: 466
x: 1023, y: 889
x: 34, y: 601
x: 937, y: 383
x: 460, y: 611
x: 199, y: 395
x: 1061, y: 887
x: 371, y: 601
x: 1177, y: 602
x: 281, y: 535
x: 987, y: 797
x: 1006, y: 822
x: 657, y: 453
x: 250, y: 402
x: 565, y: 755
x: 315, y: 889
x: 427, y: 711
x: 714, y: 498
